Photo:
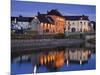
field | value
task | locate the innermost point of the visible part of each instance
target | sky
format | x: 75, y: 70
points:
x: 29, y: 9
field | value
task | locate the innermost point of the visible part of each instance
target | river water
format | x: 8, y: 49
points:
x: 54, y: 60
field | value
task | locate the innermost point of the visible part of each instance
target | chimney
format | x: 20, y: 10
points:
x: 38, y: 13
x: 47, y: 11
x: 20, y: 16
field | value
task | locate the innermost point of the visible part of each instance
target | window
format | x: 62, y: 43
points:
x: 84, y: 23
x: 69, y: 23
x: 49, y: 19
x: 73, y: 23
x: 81, y: 22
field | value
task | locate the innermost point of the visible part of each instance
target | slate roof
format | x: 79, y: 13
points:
x: 45, y: 18
x: 92, y: 22
x: 22, y: 19
x: 54, y: 12
x: 76, y: 17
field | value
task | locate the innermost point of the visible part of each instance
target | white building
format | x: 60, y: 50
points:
x: 77, y: 24
x: 43, y: 24
x: 23, y: 22
x: 92, y: 25
x: 34, y: 24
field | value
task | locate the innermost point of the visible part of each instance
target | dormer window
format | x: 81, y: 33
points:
x: 84, y: 23
x: 81, y: 18
x: 35, y: 17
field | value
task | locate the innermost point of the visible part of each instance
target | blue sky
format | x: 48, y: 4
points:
x: 31, y: 9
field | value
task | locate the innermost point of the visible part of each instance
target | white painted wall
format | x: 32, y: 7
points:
x: 24, y: 25
x: 77, y: 24
x: 35, y: 24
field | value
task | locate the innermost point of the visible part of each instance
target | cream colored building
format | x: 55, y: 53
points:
x: 79, y: 55
x: 77, y: 24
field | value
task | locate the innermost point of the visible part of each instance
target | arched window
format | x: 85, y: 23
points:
x: 80, y: 22
x: 73, y: 29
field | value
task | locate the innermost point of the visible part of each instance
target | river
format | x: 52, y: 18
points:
x: 54, y: 60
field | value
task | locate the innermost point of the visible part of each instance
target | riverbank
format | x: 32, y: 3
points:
x: 66, y: 35
x: 26, y: 45
x: 22, y: 43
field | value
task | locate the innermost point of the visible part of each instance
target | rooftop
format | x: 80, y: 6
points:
x: 22, y: 19
x: 54, y: 12
x: 45, y: 18
x: 76, y: 17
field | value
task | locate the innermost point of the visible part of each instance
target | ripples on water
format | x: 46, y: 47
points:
x: 64, y: 59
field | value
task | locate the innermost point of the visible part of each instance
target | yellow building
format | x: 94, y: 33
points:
x: 59, y: 20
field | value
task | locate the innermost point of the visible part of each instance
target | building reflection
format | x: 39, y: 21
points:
x: 77, y: 56
x: 54, y: 59
x: 67, y: 56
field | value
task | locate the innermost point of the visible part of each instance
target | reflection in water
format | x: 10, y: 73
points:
x: 78, y: 55
x: 54, y: 60
x: 23, y: 58
x: 59, y: 58
x: 52, y: 57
